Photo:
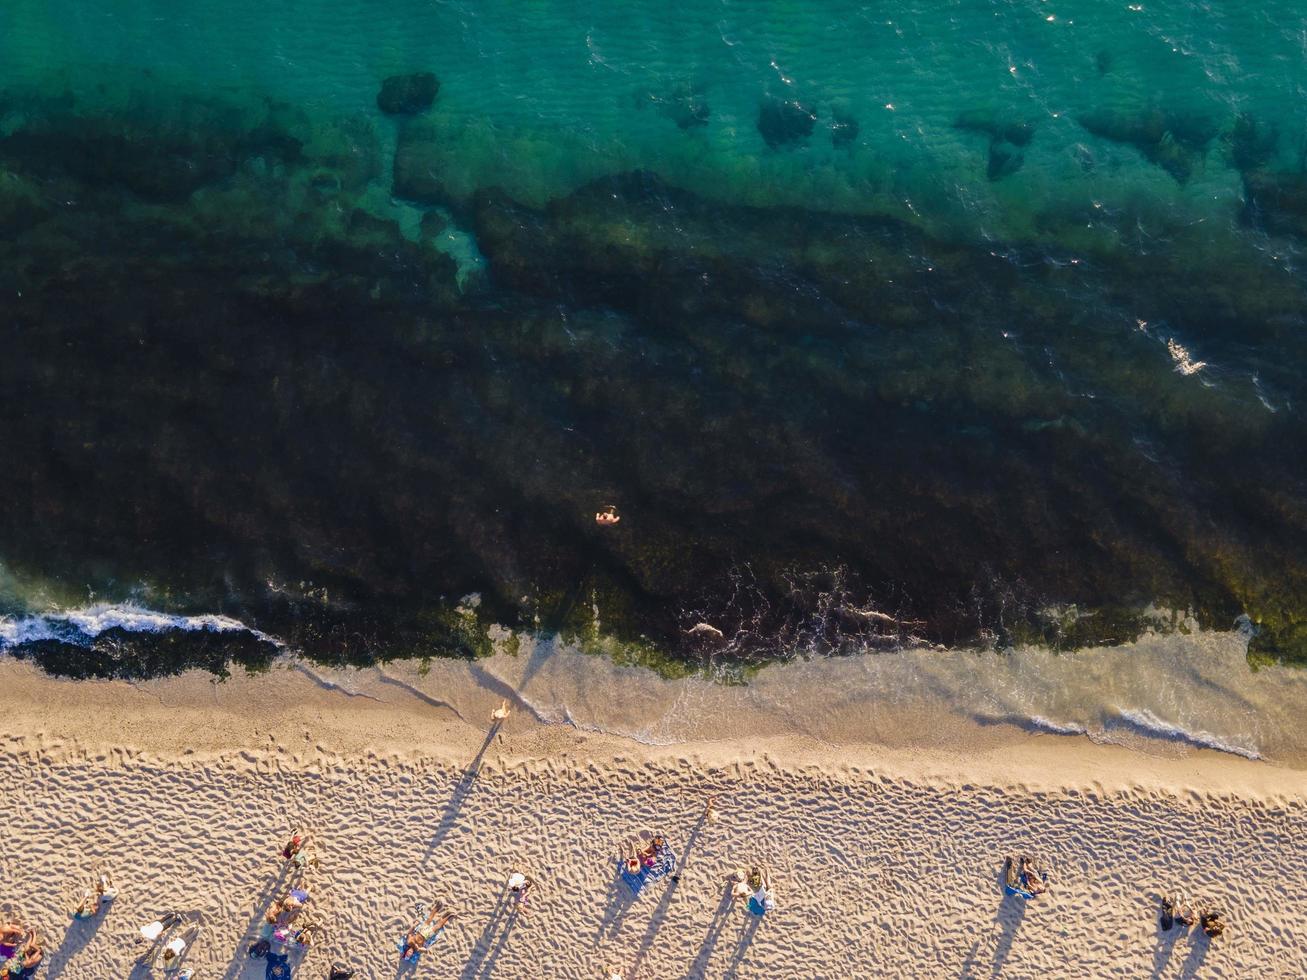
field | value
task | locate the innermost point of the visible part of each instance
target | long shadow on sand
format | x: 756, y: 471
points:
x: 742, y: 947
x: 699, y: 968
x: 79, y: 933
x: 659, y: 915
x: 1010, y: 913
x: 1199, y: 944
x: 279, y: 881
x: 1166, y: 939
x: 620, y: 900
x: 462, y: 790
x: 487, y: 948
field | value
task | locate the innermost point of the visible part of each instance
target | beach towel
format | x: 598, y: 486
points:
x: 633, y: 882
x: 417, y: 953
x: 1021, y: 890
x: 664, y: 865
x: 278, y: 967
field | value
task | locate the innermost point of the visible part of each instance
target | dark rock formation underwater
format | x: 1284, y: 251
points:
x: 228, y: 375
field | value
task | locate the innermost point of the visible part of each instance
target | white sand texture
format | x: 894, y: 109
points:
x: 883, y: 862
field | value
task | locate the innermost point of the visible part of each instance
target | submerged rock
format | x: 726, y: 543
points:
x: 1004, y: 160
x: 1018, y: 132
x: 843, y: 130
x: 406, y: 95
x: 1277, y: 201
x: 1174, y: 141
x: 684, y: 104
x: 417, y: 168
x: 1252, y: 146
x: 784, y: 122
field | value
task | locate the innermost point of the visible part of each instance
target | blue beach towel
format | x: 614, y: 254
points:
x: 1023, y: 890
x: 664, y: 866
x: 633, y: 882
x: 417, y: 953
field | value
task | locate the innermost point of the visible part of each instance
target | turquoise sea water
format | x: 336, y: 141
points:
x: 540, y: 97
x: 881, y: 323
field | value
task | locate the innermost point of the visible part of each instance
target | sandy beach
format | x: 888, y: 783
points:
x: 885, y: 860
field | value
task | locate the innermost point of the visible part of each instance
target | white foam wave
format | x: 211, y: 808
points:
x: 82, y: 626
x: 1145, y: 722
x: 1043, y: 724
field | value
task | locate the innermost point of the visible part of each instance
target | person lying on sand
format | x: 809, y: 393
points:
x: 297, y: 851
x: 28, y: 958
x: 282, y: 912
x: 421, y: 935
x: 1213, y: 924
x: 634, y: 862
x: 1036, y: 883
x: 11, y: 934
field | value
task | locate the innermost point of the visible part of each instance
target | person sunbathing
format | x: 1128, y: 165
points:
x: 422, y: 935
x: 29, y: 957
x: 11, y: 934
x: 1212, y: 923
x: 282, y: 912
x: 1035, y: 883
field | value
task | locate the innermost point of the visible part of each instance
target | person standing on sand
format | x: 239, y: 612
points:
x: 520, y: 886
x: 500, y: 714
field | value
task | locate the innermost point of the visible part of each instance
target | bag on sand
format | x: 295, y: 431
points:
x: 339, y: 972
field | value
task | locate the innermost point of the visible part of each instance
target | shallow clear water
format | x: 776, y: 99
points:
x: 883, y: 325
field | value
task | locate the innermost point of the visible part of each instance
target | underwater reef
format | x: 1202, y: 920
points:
x: 234, y: 374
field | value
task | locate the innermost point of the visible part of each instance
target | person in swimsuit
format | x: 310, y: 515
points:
x: 520, y: 885
x: 93, y: 898
x: 1036, y: 883
x: 29, y: 957
x: 421, y: 937
x: 11, y: 934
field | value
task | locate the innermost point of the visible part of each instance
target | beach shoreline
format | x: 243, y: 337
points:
x: 885, y: 860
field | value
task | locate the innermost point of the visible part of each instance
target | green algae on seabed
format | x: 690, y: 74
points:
x: 266, y: 379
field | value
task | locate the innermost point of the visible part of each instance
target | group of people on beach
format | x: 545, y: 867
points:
x: 1023, y: 878
x: 1184, y: 914
x: 288, y: 924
